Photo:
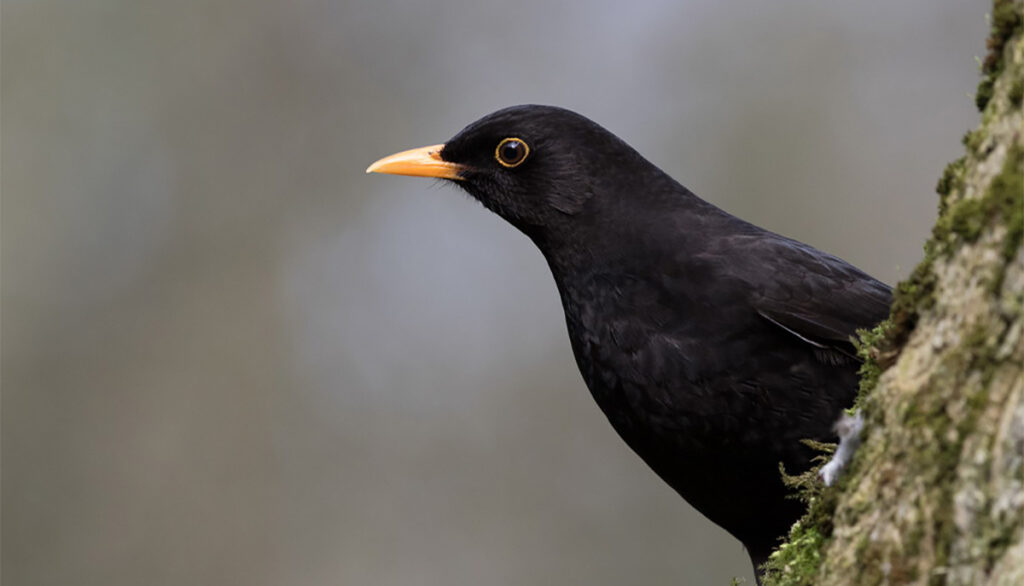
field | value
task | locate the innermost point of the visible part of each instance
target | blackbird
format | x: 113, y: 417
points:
x: 713, y: 346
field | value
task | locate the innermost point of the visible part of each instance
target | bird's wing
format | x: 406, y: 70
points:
x: 815, y: 296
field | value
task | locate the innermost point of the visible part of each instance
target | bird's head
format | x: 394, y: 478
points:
x: 536, y: 166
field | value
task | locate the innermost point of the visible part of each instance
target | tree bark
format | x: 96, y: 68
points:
x: 935, y: 494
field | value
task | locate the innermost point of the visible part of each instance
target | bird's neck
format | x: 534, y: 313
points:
x: 619, y: 237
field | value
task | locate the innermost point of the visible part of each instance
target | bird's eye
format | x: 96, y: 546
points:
x: 511, y: 152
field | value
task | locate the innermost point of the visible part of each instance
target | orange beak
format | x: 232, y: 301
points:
x: 422, y: 162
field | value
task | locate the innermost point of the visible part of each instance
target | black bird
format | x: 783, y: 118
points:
x: 713, y: 346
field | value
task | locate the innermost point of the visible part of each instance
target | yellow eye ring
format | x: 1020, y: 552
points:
x: 511, y: 152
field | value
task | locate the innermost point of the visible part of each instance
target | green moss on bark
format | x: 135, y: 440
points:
x: 796, y: 562
x: 1016, y: 93
x: 1005, y: 197
x: 1005, y: 21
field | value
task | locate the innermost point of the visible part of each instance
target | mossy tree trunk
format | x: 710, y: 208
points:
x: 935, y: 494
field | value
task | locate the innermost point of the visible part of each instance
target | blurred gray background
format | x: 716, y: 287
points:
x: 230, y: 357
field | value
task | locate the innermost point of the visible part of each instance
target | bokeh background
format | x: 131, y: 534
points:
x: 230, y: 357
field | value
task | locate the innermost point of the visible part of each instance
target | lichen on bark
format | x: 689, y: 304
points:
x: 936, y: 492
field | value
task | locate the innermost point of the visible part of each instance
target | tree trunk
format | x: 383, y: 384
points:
x: 935, y: 494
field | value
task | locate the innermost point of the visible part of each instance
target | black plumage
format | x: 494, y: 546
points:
x: 713, y: 346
